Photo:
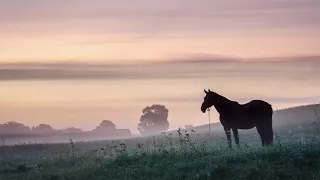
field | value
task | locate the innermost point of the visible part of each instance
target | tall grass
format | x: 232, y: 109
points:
x: 170, y: 157
x: 184, y: 154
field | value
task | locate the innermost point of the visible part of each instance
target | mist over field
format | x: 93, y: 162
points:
x: 82, y: 95
x: 140, y: 89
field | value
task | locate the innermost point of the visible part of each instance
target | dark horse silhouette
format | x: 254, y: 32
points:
x: 256, y: 113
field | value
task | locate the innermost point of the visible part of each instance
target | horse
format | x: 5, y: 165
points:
x: 256, y: 113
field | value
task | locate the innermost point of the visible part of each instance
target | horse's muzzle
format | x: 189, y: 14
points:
x: 203, y: 109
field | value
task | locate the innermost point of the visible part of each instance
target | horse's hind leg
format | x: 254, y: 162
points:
x: 236, y: 135
x: 269, y: 133
x: 266, y: 133
x: 228, y: 134
x: 261, y: 132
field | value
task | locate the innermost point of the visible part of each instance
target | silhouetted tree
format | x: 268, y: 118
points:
x: 105, y: 126
x: 13, y: 127
x: 154, y: 119
x: 43, y: 129
x: 72, y: 130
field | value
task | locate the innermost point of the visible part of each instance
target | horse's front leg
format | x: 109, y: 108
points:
x: 236, y: 135
x: 228, y: 133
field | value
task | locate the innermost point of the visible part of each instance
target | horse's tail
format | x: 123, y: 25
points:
x: 271, y: 110
x: 271, y: 107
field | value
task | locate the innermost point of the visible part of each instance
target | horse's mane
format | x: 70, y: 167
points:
x: 224, y: 98
x: 225, y: 105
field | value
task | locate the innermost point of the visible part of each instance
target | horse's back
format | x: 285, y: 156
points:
x: 258, y: 108
x: 257, y: 102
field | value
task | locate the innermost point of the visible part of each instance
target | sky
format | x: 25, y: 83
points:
x: 75, y: 63
x: 99, y: 30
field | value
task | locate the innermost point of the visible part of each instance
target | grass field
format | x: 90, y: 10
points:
x: 189, y: 156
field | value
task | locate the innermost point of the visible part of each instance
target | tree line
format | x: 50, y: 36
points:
x: 154, y: 119
x: 13, y: 127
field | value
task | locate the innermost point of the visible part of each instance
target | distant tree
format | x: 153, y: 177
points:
x: 13, y: 127
x: 43, y: 129
x: 105, y: 126
x: 154, y: 119
x: 72, y: 130
x: 188, y: 126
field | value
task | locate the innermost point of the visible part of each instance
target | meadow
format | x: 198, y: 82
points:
x: 189, y: 154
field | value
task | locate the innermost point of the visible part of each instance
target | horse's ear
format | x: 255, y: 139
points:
x: 209, y: 90
x: 205, y: 91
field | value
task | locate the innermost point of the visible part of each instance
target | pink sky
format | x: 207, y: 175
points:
x: 44, y: 30
x: 34, y: 33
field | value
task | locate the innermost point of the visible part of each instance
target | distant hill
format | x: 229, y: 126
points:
x: 293, y: 116
x: 297, y: 115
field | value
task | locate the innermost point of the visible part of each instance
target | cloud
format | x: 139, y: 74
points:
x: 197, y: 67
x: 274, y: 99
x: 169, y: 9
x: 137, y: 38
x: 158, y: 16
x: 114, y: 40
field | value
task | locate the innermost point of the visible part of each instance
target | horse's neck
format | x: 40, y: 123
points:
x: 224, y: 105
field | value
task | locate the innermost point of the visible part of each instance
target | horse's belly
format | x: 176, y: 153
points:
x: 243, y: 124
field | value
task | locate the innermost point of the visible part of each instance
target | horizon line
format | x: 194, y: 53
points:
x: 170, y: 129
x: 191, y: 58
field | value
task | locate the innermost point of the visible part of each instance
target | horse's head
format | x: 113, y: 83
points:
x: 208, y: 100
